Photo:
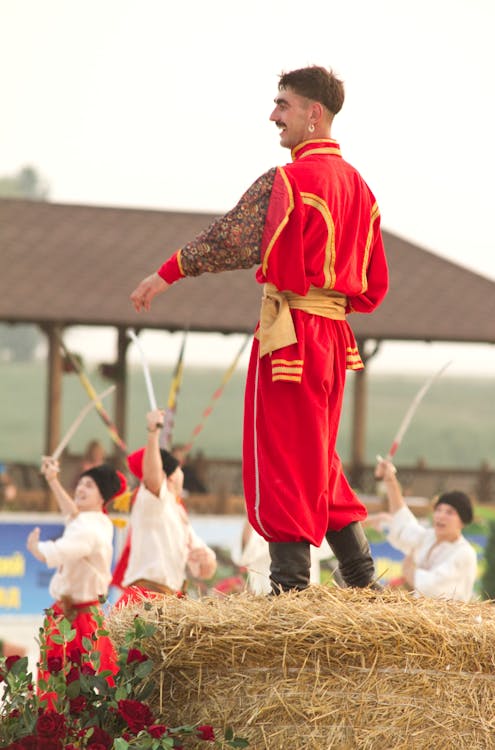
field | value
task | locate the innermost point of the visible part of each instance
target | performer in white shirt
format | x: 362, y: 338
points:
x: 439, y: 562
x: 252, y: 552
x: 82, y: 557
x: 163, y: 544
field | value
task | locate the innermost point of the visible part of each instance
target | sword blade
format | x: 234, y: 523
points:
x: 78, y: 420
x: 406, y: 421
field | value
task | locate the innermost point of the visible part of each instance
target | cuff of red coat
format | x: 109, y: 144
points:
x: 172, y: 270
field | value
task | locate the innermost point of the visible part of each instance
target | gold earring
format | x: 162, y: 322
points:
x: 311, y: 127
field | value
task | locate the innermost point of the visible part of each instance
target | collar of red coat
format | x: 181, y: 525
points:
x: 318, y: 145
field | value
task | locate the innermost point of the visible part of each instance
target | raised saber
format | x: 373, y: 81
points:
x: 411, y: 411
x: 216, y: 396
x: 78, y: 420
x: 173, y: 395
x: 112, y: 430
x: 146, y: 370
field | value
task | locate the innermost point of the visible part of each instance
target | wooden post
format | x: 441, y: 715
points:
x: 53, y: 399
x: 358, y: 435
x: 359, y: 413
x: 54, y: 394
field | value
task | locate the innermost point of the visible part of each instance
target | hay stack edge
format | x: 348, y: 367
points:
x: 326, y: 668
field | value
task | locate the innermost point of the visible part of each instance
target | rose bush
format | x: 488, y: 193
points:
x: 88, y: 712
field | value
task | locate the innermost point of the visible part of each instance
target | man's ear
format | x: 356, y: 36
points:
x: 317, y: 112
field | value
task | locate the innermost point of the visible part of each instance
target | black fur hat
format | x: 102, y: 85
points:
x: 460, y: 502
x: 108, y: 481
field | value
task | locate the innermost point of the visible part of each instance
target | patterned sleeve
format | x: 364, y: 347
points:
x: 234, y: 240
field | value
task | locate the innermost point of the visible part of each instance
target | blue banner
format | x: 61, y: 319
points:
x: 24, y: 580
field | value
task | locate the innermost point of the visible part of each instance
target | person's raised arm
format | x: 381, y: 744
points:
x: 385, y: 470
x: 50, y: 469
x: 152, y: 460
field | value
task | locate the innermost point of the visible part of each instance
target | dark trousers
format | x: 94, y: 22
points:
x: 291, y: 561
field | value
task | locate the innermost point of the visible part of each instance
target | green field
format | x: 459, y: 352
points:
x: 454, y: 426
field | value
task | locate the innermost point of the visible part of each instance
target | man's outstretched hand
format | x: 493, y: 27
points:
x: 146, y: 290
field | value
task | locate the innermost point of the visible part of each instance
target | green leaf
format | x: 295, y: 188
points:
x: 120, y: 744
x: 238, y: 742
x: 56, y: 638
x: 105, y: 673
x: 19, y: 666
x: 87, y: 644
x: 73, y: 689
x: 229, y: 733
x: 144, y: 668
x: 121, y: 694
x: 64, y: 627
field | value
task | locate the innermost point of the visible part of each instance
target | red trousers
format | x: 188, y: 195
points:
x: 294, y: 485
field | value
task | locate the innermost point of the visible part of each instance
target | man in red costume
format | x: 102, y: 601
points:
x: 313, y: 229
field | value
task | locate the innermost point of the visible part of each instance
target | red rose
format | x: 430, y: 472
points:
x: 72, y: 675
x: 157, y: 730
x: 49, y: 743
x: 205, y: 732
x: 29, y: 743
x: 97, y: 746
x: 136, y: 715
x: 75, y: 655
x: 51, y: 724
x: 54, y: 664
x: 87, y: 669
x: 78, y: 704
x: 10, y: 660
x: 135, y: 655
x: 99, y: 737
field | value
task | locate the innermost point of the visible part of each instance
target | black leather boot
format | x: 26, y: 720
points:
x: 353, y: 554
x: 289, y: 567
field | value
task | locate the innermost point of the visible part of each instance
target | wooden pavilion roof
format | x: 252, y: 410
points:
x: 76, y: 265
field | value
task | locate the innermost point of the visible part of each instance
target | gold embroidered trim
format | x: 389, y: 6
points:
x: 375, y: 213
x: 179, y: 262
x: 310, y: 199
x: 287, y: 370
x: 333, y: 151
x: 287, y: 362
x: 299, y: 146
x: 291, y: 378
x: 353, y: 359
x: 282, y: 223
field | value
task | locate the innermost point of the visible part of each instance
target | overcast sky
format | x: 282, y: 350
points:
x: 157, y: 104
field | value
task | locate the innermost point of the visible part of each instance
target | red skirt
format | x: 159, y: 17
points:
x: 294, y: 485
x: 135, y: 594
x: 83, y: 622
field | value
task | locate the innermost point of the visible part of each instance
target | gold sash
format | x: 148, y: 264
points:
x: 276, y: 328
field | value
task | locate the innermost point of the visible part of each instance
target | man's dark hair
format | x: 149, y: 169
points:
x: 316, y: 83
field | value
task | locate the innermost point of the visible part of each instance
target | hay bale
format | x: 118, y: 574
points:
x: 326, y: 668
